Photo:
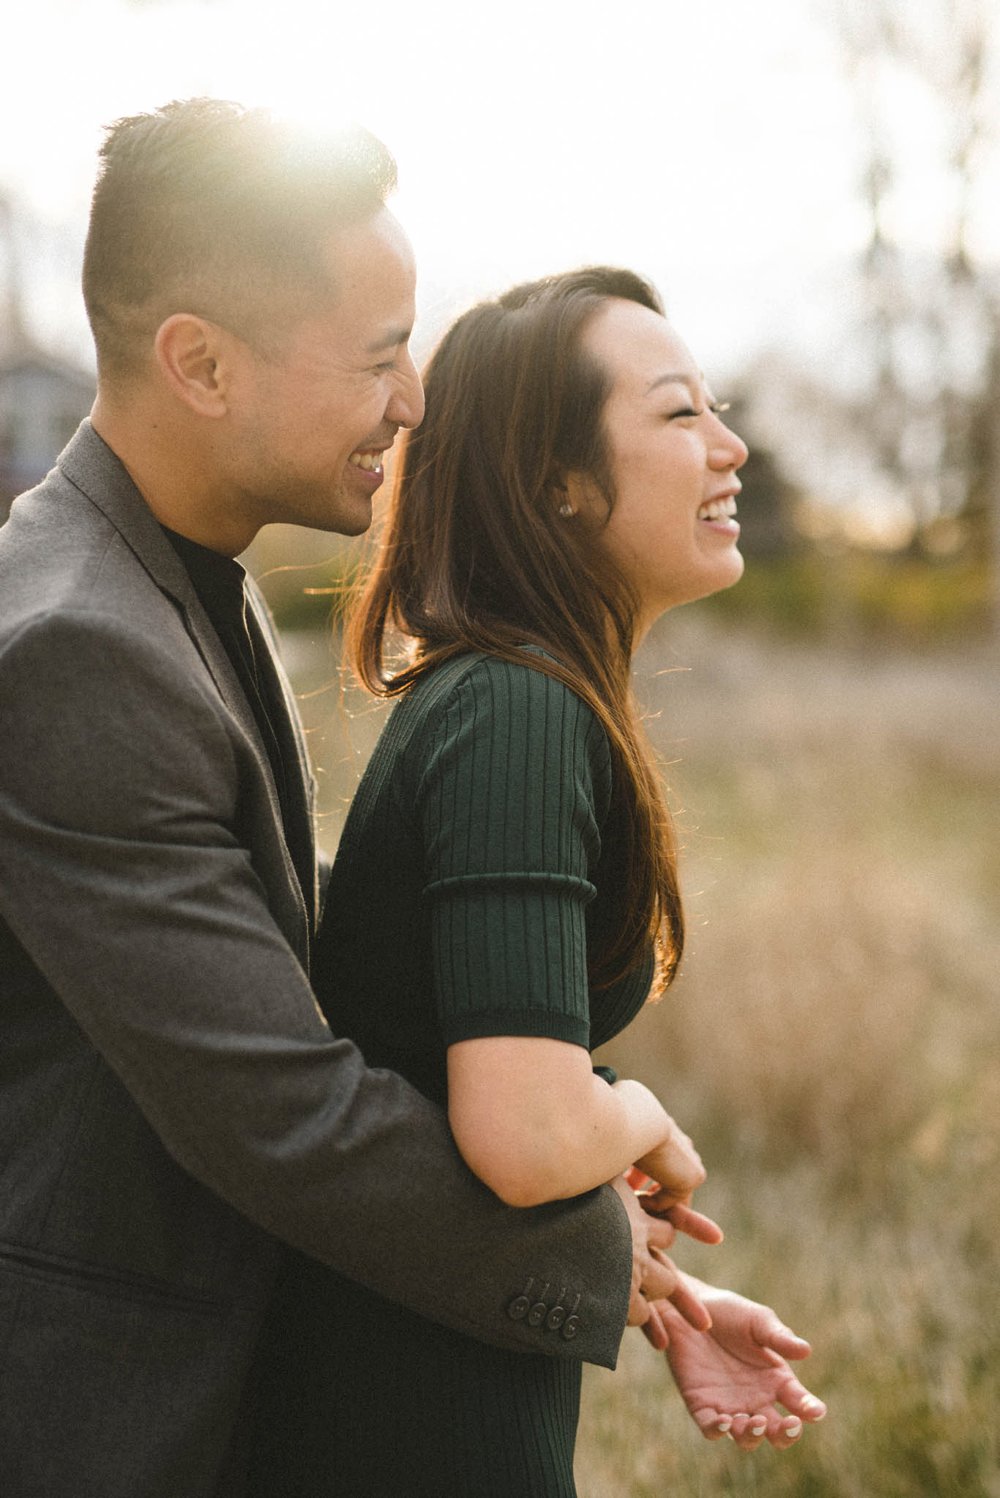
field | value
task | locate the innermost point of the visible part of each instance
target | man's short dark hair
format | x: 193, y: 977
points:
x: 207, y: 207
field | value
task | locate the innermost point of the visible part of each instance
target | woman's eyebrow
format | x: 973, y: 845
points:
x: 669, y: 379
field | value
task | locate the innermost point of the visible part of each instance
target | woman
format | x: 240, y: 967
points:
x: 505, y: 896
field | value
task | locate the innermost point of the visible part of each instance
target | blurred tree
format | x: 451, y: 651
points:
x: 770, y: 498
x: 927, y: 344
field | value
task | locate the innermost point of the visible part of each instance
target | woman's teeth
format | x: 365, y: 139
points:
x: 370, y: 461
x: 718, y: 509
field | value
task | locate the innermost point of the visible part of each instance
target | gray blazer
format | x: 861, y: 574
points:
x: 173, y: 1108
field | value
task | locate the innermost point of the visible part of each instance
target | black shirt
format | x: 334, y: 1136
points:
x: 219, y: 583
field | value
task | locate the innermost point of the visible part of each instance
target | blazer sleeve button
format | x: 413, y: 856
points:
x: 570, y: 1327
x: 518, y: 1308
x: 555, y: 1318
x: 537, y: 1313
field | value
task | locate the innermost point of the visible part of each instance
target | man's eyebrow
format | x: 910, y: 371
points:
x: 670, y: 379
x: 392, y: 339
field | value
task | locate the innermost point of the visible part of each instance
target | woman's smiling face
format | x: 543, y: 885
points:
x: 672, y: 530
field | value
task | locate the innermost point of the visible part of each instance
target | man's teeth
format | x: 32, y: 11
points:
x: 718, y: 509
x: 370, y: 461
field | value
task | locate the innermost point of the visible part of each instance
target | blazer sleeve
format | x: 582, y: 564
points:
x: 126, y: 874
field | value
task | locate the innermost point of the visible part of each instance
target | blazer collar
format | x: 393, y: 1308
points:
x: 92, y: 467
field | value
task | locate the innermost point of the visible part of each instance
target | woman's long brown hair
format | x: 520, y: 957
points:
x: 476, y: 556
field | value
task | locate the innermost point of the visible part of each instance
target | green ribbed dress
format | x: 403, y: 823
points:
x: 467, y: 876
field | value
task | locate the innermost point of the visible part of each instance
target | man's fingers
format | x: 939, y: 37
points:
x: 694, y: 1311
x: 694, y: 1224
x: 661, y: 1279
x: 660, y: 1231
x: 638, y: 1310
x: 660, y: 1237
x: 654, y: 1329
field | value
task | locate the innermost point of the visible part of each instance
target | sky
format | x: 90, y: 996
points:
x: 713, y: 147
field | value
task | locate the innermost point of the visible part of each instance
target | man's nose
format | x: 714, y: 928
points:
x: 406, y: 408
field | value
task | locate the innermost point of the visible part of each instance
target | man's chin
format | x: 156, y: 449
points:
x: 345, y: 515
x: 351, y: 524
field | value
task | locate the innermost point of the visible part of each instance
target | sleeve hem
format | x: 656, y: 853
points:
x: 543, y: 1025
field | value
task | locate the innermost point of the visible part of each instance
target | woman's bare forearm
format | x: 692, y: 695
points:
x: 535, y: 1124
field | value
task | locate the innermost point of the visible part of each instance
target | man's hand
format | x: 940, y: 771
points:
x: 655, y: 1277
x: 734, y: 1376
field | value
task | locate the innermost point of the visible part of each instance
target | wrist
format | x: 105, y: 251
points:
x: 650, y: 1124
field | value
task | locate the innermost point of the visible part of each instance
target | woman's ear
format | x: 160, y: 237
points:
x: 564, y: 505
x: 194, y: 356
x: 575, y: 494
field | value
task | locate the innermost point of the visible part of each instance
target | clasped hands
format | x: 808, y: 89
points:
x: 728, y: 1355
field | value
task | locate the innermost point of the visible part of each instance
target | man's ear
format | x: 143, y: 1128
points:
x: 194, y: 357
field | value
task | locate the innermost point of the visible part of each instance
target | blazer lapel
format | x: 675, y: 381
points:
x: 291, y: 743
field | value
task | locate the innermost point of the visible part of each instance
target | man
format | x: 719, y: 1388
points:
x: 173, y: 1110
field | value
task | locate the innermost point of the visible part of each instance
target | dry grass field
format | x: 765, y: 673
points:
x: 833, y: 1045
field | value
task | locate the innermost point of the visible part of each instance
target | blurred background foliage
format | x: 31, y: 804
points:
x: 831, y: 1045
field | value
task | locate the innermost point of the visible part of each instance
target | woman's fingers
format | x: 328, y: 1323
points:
x: 748, y: 1431
x: 713, y: 1426
x: 787, y: 1433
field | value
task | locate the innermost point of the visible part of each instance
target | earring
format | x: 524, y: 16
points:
x: 566, y: 510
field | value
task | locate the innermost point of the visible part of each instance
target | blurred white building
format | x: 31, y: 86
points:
x: 42, y: 401
x: 43, y: 397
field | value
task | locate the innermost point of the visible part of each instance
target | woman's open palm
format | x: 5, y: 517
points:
x: 734, y: 1377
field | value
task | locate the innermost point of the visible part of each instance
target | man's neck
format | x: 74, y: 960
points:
x: 174, y: 477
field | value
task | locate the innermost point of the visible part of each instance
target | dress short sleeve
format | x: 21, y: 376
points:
x: 512, y: 792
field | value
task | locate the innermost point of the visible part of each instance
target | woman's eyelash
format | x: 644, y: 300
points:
x: 716, y: 407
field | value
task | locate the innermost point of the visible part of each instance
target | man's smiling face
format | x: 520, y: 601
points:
x: 310, y: 423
